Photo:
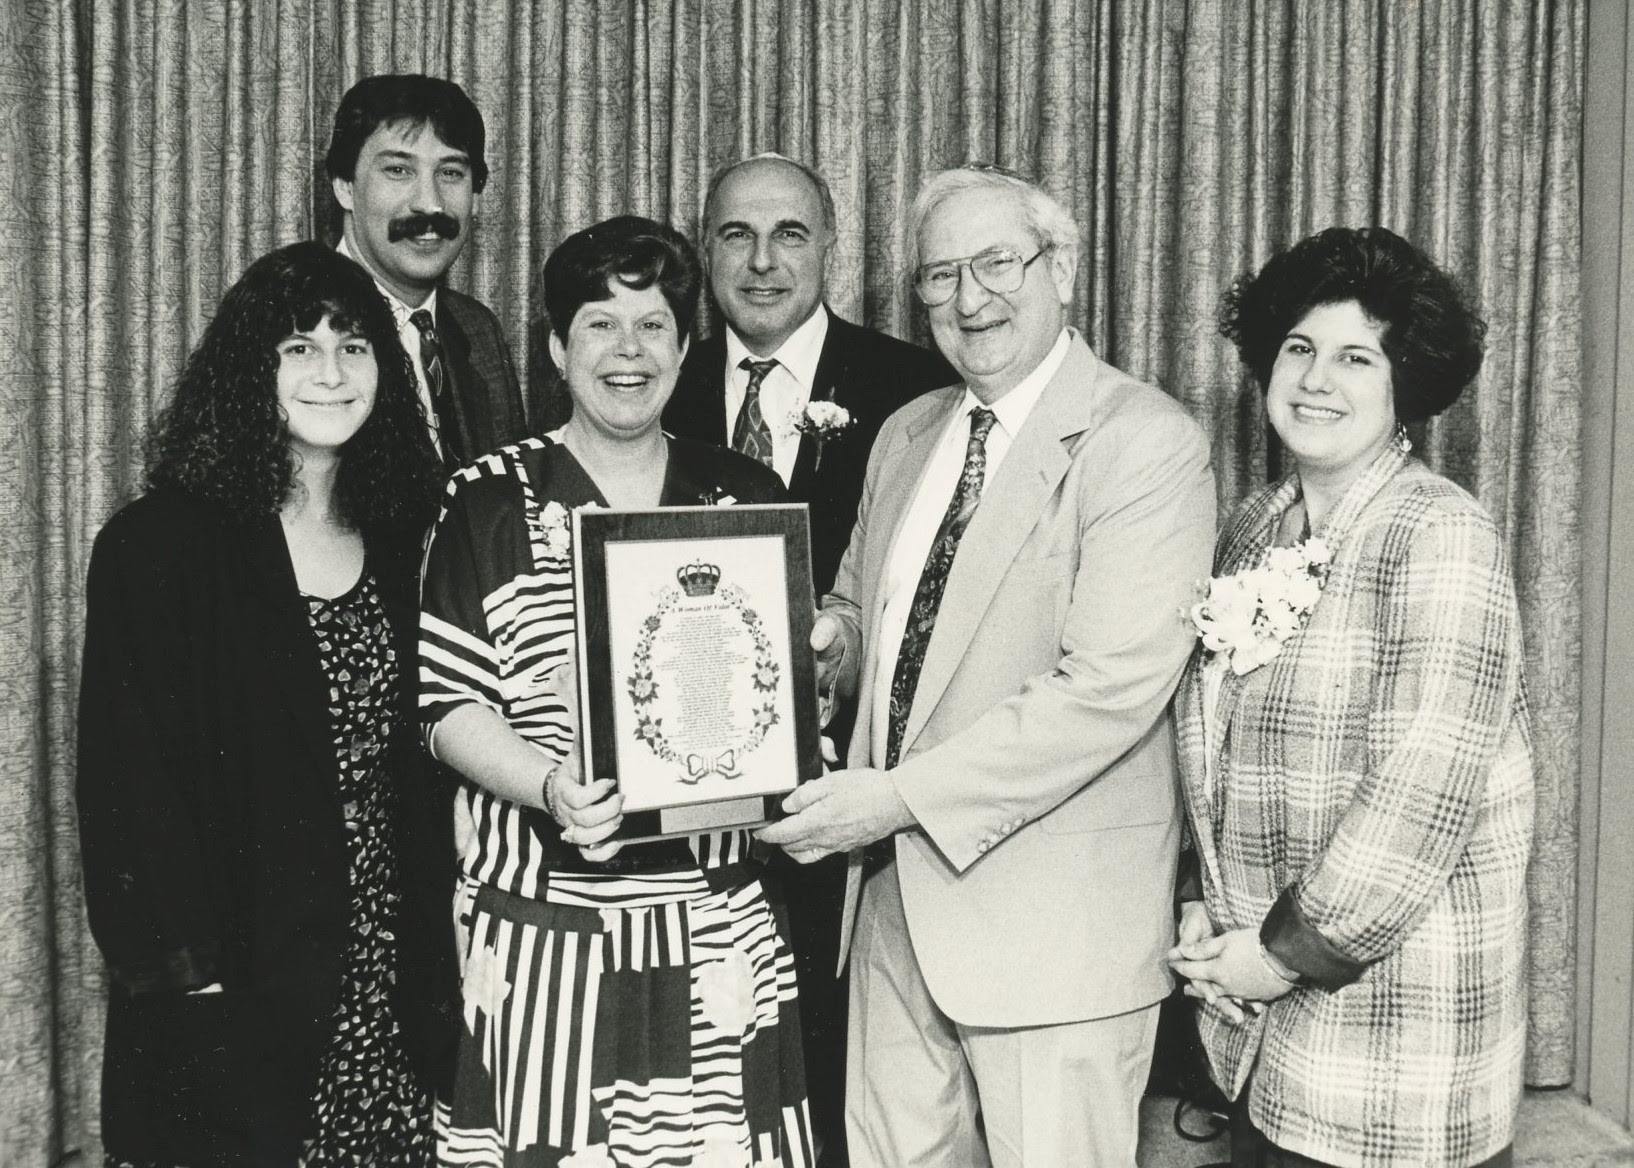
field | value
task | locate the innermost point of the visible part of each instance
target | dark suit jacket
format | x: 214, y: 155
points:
x: 214, y: 843
x: 867, y: 372
x: 487, y: 395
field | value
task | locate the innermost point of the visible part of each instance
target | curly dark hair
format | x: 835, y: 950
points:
x: 223, y: 436
x: 637, y: 252
x: 1432, y: 334
x: 412, y: 99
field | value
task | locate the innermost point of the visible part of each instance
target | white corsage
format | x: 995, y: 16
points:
x: 554, y: 530
x: 1249, y: 614
x: 822, y: 420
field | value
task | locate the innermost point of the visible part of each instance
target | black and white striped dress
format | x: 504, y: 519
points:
x: 636, y: 1012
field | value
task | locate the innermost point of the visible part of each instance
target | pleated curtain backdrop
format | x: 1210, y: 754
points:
x: 150, y: 150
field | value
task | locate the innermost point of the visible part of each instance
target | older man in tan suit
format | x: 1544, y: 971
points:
x: 1009, y: 615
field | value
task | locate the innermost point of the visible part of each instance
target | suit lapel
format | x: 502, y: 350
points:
x: 1009, y: 511
x: 908, y: 454
x: 461, y: 380
x: 698, y: 409
x: 1251, y: 535
x: 1191, y: 740
x: 294, y: 668
x: 831, y: 376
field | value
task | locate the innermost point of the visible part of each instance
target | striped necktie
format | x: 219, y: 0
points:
x: 442, y: 400
x: 927, y: 598
x: 751, y: 435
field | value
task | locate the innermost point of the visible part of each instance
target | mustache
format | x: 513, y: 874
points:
x: 410, y: 226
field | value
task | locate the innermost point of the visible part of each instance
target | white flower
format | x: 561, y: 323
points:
x: 1251, y: 657
x: 1304, y: 590
x: 555, y: 531
x: 828, y: 414
x: 1249, y: 614
x: 1282, y: 560
x: 821, y: 419
x: 726, y: 990
x: 1281, y: 619
x: 1224, y: 627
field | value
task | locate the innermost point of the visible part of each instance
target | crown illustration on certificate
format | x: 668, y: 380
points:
x: 712, y: 650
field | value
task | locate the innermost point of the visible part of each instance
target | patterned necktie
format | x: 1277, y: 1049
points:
x: 927, y: 598
x: 751, y: 435
x: 442, y: 401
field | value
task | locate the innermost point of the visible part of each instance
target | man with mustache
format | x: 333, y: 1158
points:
x: 406, y: 165
x: 768, y: 231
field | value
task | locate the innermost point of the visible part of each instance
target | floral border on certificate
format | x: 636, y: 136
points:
x: 643, y: 690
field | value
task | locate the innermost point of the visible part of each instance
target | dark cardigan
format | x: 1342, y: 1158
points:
x: 213, y: 840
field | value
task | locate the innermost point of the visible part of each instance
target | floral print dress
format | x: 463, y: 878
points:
x: 369, y: 1108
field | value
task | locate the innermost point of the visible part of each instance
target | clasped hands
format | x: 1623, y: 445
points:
x: 1227, y: 970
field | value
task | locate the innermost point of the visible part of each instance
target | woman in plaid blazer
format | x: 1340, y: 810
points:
x: 1354, y: 743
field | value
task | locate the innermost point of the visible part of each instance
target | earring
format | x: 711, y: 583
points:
x: 1403, y: 443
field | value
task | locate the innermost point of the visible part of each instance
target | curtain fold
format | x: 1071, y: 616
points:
x: 152, y: 150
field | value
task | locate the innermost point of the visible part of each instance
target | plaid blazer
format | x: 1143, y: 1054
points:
x: 1371, y: 814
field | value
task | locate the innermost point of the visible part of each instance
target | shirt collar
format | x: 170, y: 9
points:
x: 799, y: 354
x: 400, y: 311
x: 1012, y: 409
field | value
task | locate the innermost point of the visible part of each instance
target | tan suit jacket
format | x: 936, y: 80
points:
x: 1039, y: 757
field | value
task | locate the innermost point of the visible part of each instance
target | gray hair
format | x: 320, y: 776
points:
x: 824, y: 195
x: 1048, y: 219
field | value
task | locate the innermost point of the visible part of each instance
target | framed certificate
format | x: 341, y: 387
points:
x: 697, y: 683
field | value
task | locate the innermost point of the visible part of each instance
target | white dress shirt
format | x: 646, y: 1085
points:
x: 930, y: 503
x: 409, y: 333
x: 786, y: 389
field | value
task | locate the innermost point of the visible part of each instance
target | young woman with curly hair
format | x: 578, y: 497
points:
x: 1354, y: 749
x: 278, y: 970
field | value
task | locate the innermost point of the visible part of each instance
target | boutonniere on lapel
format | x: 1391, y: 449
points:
x: 823, y: 421
x: 552, y: 530
x: 1249, y: 614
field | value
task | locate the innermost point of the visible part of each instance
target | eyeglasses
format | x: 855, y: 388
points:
x: 999, y: 270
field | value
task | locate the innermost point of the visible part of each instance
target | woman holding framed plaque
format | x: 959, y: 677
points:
x: 620, y: 1003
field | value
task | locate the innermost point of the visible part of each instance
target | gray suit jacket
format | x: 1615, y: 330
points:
x: 1039, y: 758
